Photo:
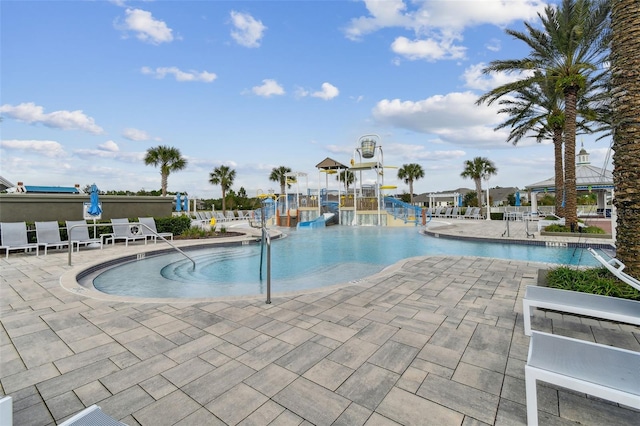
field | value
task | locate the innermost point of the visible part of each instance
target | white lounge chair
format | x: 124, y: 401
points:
x: 123, y: 230
x: 468, y: 213
x: 6, y: 410
x: 14, y: 237
x: 575, y: 302
x: 616, y: 268
x: 602, y: 371
x: 150, y: 230
x: 92, y: 415
x: 48, y: 236
x: 78, y: 232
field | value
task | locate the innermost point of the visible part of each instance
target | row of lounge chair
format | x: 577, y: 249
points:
x: 14, y: 235
x: 603, y: 371
x: 455, y: 212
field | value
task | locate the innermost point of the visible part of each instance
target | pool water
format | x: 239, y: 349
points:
x: 307, y: 258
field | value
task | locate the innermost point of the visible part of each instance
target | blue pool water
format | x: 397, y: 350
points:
x: 308, y: 258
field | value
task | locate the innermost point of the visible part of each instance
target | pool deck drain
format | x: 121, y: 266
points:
x: 434, y: 340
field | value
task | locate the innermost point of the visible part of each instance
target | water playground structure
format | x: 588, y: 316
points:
x: 359, y: 205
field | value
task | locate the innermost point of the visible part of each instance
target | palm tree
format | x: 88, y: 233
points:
x: 478, y: 169
x: 409, y: 173
x: 536, y: 111
x: 347, y: 177
x: 279, y: 175
x: 625, y: 68
x: 168, y: 158
x: 569, y: 48
x: 224, y: 177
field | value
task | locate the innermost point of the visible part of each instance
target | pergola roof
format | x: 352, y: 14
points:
x: 330, y: 164
x: 588, y: 177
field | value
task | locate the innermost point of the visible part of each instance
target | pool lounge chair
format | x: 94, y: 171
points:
x: 92, y: 415
x: 78, y: 232
x: 48, y: 236
x: 14, y: 237
x: 150, y: 230
x: 578, y: 303
x: 594, y: 369
x: 123, y: 230
x: 468, y: 213
x: 616, y: 268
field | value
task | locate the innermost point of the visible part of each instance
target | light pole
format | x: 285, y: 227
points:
x: 488, y: 202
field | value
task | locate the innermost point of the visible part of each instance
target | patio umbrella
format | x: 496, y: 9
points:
x: 94, y: 208
x: 178, y: 202
x: 517, y: 198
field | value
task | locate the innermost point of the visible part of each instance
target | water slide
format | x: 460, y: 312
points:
x: 319, y: 222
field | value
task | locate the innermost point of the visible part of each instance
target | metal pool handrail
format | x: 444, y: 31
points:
x: 131, y: 223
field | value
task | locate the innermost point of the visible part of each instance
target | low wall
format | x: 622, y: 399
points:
x: 42, y: 207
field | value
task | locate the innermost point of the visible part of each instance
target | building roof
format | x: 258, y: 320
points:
x: 330, y: 164
x: 52, y: 189
x: 587, y: 177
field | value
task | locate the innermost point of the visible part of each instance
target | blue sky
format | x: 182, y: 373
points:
x: 88, y: 86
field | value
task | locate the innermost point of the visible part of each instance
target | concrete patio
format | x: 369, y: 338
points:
x: 429, y: 341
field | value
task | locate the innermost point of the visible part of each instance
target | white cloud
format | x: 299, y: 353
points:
x: 412, y: 153
x: 454, y: 118
x: 494, y: 45
x: 47, y: 148
x: 109, y: 146
x: 269, y: 88
x: 146, y: 27
x: 110, y: 150
x: 438, y: 24
x: 180, y: 75
x: 430, y: 49
x: 67, y: 120
x: 475, y: 79
x: 248, y: 31
x: 136, y: 135
x: 329, y: 91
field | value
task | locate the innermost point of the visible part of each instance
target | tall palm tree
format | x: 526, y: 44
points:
x: 410, y: 173
x: 537, y: 111
x: 224, y: 177
x: 279, y: 175
x: 625, y: 68
x: 478, y: 169
x: 568, y: 49
x: 347, y: 177
x: 168, y: 158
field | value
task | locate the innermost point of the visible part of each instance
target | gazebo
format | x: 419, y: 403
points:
x: 588, y: 179
x: 328, y: 166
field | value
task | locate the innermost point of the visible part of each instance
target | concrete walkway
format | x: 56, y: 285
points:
x: 430, y: 341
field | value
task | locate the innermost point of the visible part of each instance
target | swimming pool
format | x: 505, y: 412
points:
x: 305, y: 259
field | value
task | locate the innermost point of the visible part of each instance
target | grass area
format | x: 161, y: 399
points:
x: 593, y: 280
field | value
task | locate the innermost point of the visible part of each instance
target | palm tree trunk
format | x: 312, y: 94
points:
x: 625, y: 67
x: 559, y: 170
x: 224, y: 203
x: 479, y: 191
x: 163, y: 184
x: 411, y: 192
x: 571, y: 195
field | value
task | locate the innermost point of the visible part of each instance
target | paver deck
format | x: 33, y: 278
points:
x: 431, y: 341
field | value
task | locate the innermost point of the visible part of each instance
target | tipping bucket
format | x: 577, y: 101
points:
x: 368, y: 147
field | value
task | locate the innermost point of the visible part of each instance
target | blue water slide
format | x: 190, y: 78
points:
x: 319, y: 222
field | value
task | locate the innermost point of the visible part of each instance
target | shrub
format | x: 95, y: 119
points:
x: 557, y: 228
x: 594, y: 280
x: 563, y: 228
